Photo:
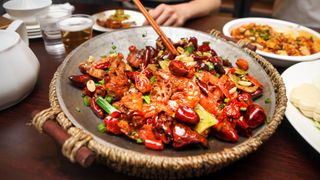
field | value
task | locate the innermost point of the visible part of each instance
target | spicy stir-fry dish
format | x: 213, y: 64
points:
x: 162, y: 100
x: 116, y: 21
x: 268, y: 39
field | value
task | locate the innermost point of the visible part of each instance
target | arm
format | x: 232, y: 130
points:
x: 177, y: 15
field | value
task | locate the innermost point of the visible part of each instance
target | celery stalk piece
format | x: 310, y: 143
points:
x: 207, y: 119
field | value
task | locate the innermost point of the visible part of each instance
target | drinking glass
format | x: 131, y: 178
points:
x: 75, y: 30
x: 50, y: 30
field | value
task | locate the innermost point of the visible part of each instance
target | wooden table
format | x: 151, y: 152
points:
x: 26, y: 154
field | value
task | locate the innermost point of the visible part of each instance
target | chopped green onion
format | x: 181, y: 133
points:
x: 77, y: 109
x: 139, y: 140
x: 317, y: 124
x: 222, y: 106
x: 133, y: 132
x: 210, y: 65
x: 101, y: 82
x: 226, y: 100
x: 217, y: 75
x: 152, y: 79
x: 108, y: 99
x: 112, y: 52
x: 113, y: 47
x: 146, y: 98
x: 243, y: 109
x: 189, y: 49
x: 268, y: 119
x: 267, y: 101
x: 86, y: 100
x: 102, y: 128
x: 105, y: 105
x: 103, y: 56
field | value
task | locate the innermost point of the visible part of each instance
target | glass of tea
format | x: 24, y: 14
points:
x: 75, y: 30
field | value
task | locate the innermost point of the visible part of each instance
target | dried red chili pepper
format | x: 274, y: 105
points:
x: 103, y: 65
x: 255, y: 115
x: 187, y: 115
x: 224, y: 130
x: 79, y: 80
x: 111, y: 122
x: 96, y: 108
x: 178, y: 68
x: 184, y: 135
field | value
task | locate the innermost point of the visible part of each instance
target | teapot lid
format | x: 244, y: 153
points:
x: 8, y: 39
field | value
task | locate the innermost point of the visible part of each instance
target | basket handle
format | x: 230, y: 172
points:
x: 84, y: 156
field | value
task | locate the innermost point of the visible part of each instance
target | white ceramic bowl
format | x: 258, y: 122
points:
x: 26, y: 10
x: 280, y: 25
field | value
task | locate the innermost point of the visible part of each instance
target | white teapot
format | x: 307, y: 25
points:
x: 19, y: 67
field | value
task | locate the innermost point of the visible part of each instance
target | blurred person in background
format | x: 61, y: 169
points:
x: 177, y: 12
x: 306, y: 13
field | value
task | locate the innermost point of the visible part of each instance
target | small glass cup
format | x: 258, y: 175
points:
x: 50, y: 30
x: 75, y: 30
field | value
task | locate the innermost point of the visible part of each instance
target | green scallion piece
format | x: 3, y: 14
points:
x: 267, y: 101
x: 146, y: 98
x: 317, y: 124
x: 210, y: 66
x: 222, y: 106
x: 105, y: 105
x: 77, y: 109
x: 139, y: 140
x: 102, y: 128
x: 86, y: 100
x: 108, y: 99
x: 243, y: 109
x: 189, y: 49
x: 152, y: 79
x: 268, y: 119
x: 226, y: 100
x: 113, y: 47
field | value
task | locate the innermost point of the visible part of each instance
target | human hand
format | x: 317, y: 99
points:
x: 168, y: 15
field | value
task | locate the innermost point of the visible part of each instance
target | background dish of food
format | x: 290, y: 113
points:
x: 280, y: 26
x: 295, y: 76
x: 135, y: 16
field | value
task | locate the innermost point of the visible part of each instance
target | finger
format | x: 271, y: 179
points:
x: 155, y: 13
x: 162, y: 18
x: 171, y: 21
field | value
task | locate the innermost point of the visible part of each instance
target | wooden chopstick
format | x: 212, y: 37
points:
x: 156, y: 27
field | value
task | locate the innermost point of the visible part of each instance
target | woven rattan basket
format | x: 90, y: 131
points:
x: 143, y: 165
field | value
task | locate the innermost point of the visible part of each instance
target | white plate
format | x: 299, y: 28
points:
x: 279, y: 25
x: 134, y: 16
x: 30, y: 28
x: 294, y: 76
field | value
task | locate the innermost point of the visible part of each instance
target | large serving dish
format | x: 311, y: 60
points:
x: 134, y: 159
x: 293, y: 77
x: 281, y: 26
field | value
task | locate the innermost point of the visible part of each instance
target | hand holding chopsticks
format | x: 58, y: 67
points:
x: 156, y: 27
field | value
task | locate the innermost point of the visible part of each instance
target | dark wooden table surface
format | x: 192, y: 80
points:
x: 26, y: 154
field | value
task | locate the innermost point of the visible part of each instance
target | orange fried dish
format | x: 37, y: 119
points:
x: 268, y: 39
x: 116, y: 21
x: 162, y: 100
